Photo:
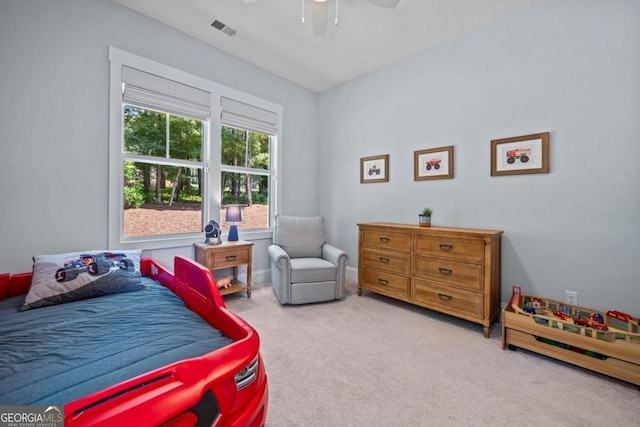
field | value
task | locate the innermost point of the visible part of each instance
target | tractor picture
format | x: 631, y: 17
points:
x: 374, y: 170
x: 96, y: 265
x: 519, y: 153
x: 433, y: 163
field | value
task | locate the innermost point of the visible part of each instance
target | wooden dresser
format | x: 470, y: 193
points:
x: 452, y: 270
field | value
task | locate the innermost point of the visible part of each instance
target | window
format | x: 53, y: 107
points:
x: 246, y: 166
x: 182, y: 149
x: 163, y: 173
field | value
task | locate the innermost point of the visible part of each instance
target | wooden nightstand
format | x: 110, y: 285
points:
x: 226, y: 255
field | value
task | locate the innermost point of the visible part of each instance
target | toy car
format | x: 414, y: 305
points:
x: 591, y: 322
x: 561, y: 315
x: 529, y: 309
x: 96, y: 265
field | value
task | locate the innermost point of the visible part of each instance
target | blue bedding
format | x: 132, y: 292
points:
x: 54, y: 355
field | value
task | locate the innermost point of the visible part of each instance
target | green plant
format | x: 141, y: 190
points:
x: 133, y: 196
x: 426, y: 212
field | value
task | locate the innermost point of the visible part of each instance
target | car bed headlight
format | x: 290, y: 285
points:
x: 247, y: 375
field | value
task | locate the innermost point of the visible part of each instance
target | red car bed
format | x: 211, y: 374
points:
x: 136, y: 356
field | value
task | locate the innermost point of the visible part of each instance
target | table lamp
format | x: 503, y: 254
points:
x: 233, y: 215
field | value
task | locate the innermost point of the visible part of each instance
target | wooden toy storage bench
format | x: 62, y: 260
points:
x: 614, y: 352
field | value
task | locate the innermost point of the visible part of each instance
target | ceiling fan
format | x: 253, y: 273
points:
x: 320, y: 12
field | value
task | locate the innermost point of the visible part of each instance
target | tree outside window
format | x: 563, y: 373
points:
x: 163, y: 173
x: 245, y: 176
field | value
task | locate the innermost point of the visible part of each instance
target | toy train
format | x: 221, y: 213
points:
x: 570, y: 314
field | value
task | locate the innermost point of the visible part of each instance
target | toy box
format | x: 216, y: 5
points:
x: 603, y: 341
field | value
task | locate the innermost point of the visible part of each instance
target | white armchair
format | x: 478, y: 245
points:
x: 304, y: 267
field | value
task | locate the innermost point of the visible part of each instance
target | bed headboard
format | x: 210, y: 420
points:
x: 12, y: 285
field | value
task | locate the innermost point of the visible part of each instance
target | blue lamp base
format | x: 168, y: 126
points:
x: 233, y: 233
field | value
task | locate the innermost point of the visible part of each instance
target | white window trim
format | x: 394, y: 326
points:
x: 211, y: 208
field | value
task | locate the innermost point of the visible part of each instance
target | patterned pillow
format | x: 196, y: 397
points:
x: 62, y: 278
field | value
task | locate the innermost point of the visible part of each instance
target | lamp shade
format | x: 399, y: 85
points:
x: 233, y: 214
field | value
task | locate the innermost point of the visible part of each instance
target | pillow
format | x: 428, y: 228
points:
x: 62, y: 278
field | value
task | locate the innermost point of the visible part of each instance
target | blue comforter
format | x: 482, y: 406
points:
x: 54, y: 355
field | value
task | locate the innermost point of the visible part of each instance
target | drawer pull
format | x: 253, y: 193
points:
x: 445, y: 297
x: 230, y: 257
x: 384, y: 239
x: 385, y: 260
x: 445, y: 271
x: 446, y: 247
x: 383, y: 282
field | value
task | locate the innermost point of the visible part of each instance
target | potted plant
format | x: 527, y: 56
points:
x: 424, y: 217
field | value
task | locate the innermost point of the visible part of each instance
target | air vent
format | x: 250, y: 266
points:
x: 222, y: 27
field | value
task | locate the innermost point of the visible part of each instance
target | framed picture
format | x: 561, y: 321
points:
x: 435, y: 163
x: 520, y: 155
x: 374, y: 169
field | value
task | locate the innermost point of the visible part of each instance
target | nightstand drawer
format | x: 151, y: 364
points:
x: 448, y: 299
x: 384, y: 283
x: 454, y: 273
x: 387, y: 240
x: 389, y: 261
x: 229, y: 258
x: 471, y: 250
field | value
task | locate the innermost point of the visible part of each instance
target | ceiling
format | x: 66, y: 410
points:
x: 270, y: 33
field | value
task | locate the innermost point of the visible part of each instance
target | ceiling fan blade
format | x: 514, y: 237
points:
x: 389, y: 4
x: 319, y: 18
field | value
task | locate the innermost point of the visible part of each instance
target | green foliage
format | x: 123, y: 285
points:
x: 133, y: 196
x: 256, y: 197
x: 145, y: 133
x: 426, y: 212
x: 244, y: 148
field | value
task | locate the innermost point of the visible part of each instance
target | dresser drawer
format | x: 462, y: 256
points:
x: 385, y: 283
x: 446, y: 299
x: 387, y: 240
x: 228, y: 258
x: 471, y: 250
x: 465, y: 275
x: 394, y: 262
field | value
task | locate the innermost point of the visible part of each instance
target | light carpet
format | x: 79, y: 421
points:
x: 375, y: 361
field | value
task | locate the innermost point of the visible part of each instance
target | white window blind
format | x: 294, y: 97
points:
x: 150, y: 91
x: 244, y: 116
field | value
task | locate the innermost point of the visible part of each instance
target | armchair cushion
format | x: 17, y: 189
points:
x: 300, y: 237
x: 306, y: 270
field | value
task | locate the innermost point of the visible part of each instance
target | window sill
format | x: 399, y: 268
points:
x: 149, y: 243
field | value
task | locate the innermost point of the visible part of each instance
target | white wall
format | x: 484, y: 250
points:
x: 54, y: 86
x: 569, y: 67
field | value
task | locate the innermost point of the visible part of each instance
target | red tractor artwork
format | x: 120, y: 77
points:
x: 519, y: 153
x: 433, y: 163
x: 374, y: 170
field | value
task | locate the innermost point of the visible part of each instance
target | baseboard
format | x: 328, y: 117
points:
x: 351, y: 274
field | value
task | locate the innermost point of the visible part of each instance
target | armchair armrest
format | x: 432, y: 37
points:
x: 280, y: 273
x: 340, y: 259
x: 279, y: 257
x: 334, y: 255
